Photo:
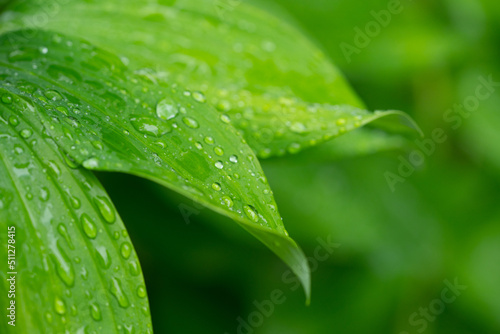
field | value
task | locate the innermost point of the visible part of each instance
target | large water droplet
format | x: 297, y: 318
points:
x: 91, y: 163
x: 7, y: 98
x: 88, y: 226
x: 141, y: 291
x: 95, y: 312
x: 26, y: 133
x: 209, y: 140
x: 59, y: 306
x: 298, y: 127
x: 64, y: 268
x: 117, y: 291
x: 13, y: 120
x: 226, y: 200
x: 44, y: 194
x: 251, y: 213
x: 125, y: 250
x: 233, y: 159
x: 219, y: 151
x: 134, y: 268
x: 103, y: 256
x: 53, y: 95
x: 150, y: 126
x: 198, y: 96
x: 225, y: 119
x: 192, y: 123
x: 63, y: 231
x: 75, y: 202
x: 166, y: 109
x: 105, y: 208
x: 219, y: 164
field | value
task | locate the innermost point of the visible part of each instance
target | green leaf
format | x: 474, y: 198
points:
x: 258, y: 71
x: 106, y: 118
x: 362, y: 142
x: 76, y: 267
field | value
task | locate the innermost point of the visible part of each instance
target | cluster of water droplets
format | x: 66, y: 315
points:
x: 46, y: 185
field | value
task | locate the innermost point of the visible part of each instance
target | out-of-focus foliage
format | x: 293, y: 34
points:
x: 396, y: 248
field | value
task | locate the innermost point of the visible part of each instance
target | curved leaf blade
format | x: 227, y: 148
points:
x: 259, y: 72
x: 109, y: 119
x: 77, y: 269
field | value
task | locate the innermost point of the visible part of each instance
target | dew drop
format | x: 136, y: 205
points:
x: 251, y: 213
x: 141, y: 291
x: 95, y: 312
x: 7, y: 98
x: 49, y: 317
x: 26, y: 133
x: 219, y: 164
x: 233, y: 159
x: 166, y: 109
x: 219, y: 151
x: 63, y: 110
x: 75, y: 202
x: 53, y: 95
x: 105, y: 208
x: 63, y: 231
x: 227, y: 201
x: 59, y: 306
x: 198, y: 96
x: 103, y: 255
x: 117, y: 291
x: 293, y: 148
x: 134, y: 268
x: 341, y: 121
x: 91, y: 163
x: 298, y: 127
x: 72, y: 164
x: 193, y: 124
x: 223, y: 105
x: 97, y: 144
x: 216, y: 186
x: 64, y: 268
x: 209, y: 140
x: 13, y: 121
x: 125, y: 250
x: 225, y: 119
x: 44, y: 194
x: 54, y: 168
x: 88, y: 226
x: 150, y: 126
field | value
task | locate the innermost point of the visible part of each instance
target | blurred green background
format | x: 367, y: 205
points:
x: 397, y: 249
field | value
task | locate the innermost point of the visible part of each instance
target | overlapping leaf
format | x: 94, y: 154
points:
x: 76, y: 268
x: 104, y: 117
x: 259, y: 72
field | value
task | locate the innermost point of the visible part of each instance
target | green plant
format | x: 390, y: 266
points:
x: 104, y: 90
